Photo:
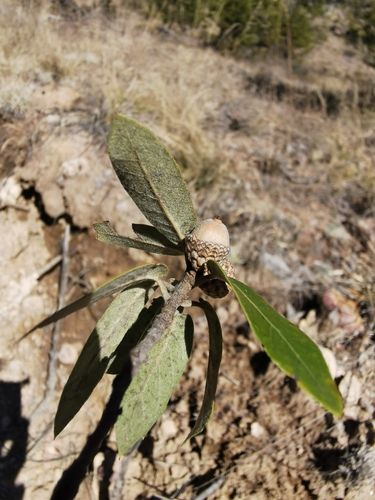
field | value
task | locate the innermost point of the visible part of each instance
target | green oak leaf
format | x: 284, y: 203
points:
x: 110, y: 330
x: 105, y: 233
x: 150, y: 234
x: 152, y: 178
x: 130, y: 340
x: 214, y: 360
x: 149, y: 272
x: 287, y: 346
x: 153, y: 384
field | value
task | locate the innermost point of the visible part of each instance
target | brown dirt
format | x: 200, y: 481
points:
x: 294, y: 183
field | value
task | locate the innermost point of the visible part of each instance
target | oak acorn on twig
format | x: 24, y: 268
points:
x: 210, y: 241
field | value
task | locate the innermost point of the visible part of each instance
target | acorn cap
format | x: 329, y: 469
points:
x: 215, y: 288
x: 227, y: 268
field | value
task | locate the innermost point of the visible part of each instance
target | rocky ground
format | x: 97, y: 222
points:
x: 287, y: 161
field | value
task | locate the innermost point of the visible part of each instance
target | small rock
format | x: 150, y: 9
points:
x: 276, y: 264
x: 309, y: 324
x: 179, y: 471
x: 74, y: 166
x: 344, y: 311
x: 53, y: 119
x: 68, y: 354
x: 330, y: 359
x: 53, y: 201
x: 10, y: 190
x: 351, y: 388
x: 216, y: 430
x: 168, y: 429
x: 257, y: 430
x: 337, y: 232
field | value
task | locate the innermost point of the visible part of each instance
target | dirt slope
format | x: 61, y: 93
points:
x: 287, y: 161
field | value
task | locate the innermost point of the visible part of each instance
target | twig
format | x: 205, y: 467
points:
x: 163, y: 321
x: 211, y: 489
x: 52, y: 374
x: 49, y: 266
x: 118, y: 477
x: 51, y: 378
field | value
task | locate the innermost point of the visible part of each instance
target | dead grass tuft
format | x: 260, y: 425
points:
x: 118, y: 64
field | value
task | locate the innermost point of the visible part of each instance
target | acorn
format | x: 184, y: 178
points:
x: 210, y: 241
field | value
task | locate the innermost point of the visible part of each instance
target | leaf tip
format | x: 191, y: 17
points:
x: 57, y: 429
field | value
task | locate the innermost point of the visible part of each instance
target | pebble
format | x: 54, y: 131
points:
x: 351, y: 388
x: 168, y: 429
x: 68, y: 354
x: 10, y: 190
x: 257, y: 430
x: 53, y: 119
x: 75, y: 166
x: 330, y: 359
x: 178, y: 471
x: 276, y: 264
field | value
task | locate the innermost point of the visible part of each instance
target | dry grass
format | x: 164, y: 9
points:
x: 118, y: 64
x: 181, y: 91
x: 286, y: 168
x: 201, y: 104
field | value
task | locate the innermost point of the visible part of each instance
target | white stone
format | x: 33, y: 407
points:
x: 74, y: 166
x: 168, y: 428
x: 276, y: 264
x: 53, y: 119
x: 10, y: 190
x: 68, y: 354
x: 257, y: 430
x: 330, y: 359
x: 350, y: 388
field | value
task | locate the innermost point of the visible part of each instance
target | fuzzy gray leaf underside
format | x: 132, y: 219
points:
x: 150, y: 234
x: 149, y: 272
x: 150, y: 390
x: 105, y: 233
x: 119, y: 322
x: 152, y: 178
x: 144, y: 321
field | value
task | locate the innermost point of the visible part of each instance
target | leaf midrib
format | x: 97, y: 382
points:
x: 277, y: 330
x: 148, y: 376
x: 116, y: 324
x: 153, y: 189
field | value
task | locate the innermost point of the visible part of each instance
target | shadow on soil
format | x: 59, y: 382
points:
x: 13, y: 440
